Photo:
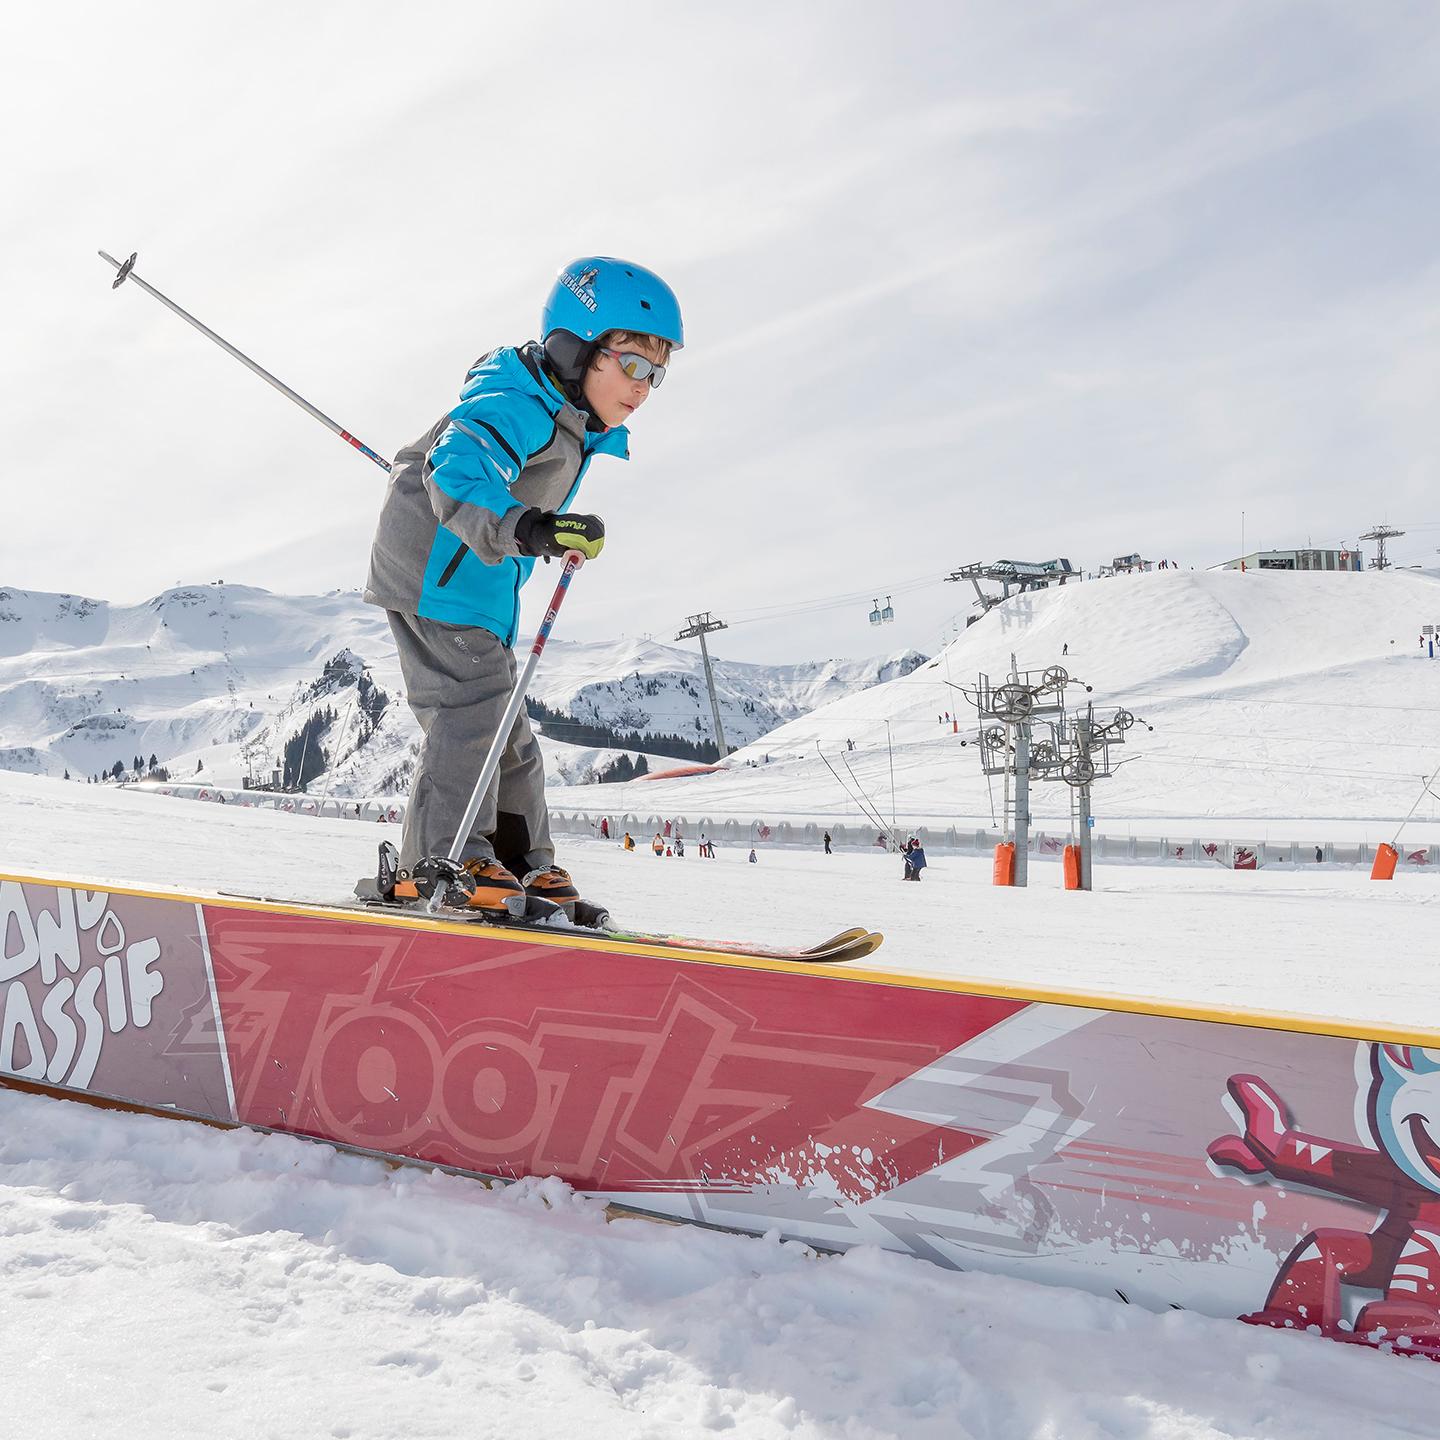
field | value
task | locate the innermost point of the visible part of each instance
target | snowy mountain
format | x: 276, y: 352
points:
x: 656, y: 689
x: 1271, y: 694
x: 230, y: 680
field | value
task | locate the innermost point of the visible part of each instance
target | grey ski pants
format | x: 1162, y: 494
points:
x: 457, y: 681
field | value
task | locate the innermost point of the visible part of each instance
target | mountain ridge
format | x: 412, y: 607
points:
x: 220, y: 679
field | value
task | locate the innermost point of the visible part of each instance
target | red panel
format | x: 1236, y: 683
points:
x: 616, y: 1072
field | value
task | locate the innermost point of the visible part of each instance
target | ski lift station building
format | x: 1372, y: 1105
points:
x: 1296, y: 560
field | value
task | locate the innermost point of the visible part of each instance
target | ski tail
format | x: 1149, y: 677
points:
x: 855, y: 932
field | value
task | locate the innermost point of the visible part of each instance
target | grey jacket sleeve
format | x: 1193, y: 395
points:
x: 472, y: 467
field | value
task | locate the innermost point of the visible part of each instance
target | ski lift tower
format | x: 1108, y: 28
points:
x: 1007, y: 714
x: 698, y: 627
x: 1380, y: 534
x: 1076, y: 750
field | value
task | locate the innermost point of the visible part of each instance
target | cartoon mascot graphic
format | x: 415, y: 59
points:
x: 1401, y: 1179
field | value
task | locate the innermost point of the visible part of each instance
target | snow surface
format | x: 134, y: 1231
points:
x: 1271, y: 939
x: 161, y: 1279
x: 164, y: 1279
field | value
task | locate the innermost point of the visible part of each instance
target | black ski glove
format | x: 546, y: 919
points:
x: 543, y: 532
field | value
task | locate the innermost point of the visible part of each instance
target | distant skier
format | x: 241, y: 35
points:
x: 658, y: 845
x: 1065, y: 648
x: 628, y: 843
x: 604, y: 828
x: 752, y: 855
x: 470, y: 506
x: 680, y: 847
x: 828, y: 850
x: 915, y: 860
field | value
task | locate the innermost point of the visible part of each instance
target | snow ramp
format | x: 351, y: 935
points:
x: 1172, y: 1156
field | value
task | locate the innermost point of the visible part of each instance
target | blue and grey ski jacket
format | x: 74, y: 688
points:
x: 445, y: 545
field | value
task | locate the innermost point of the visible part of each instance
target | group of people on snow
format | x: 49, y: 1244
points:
x: 669, y: 842
x: 912, y: 851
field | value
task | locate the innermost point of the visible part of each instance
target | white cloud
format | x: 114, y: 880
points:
x: 960, y: 281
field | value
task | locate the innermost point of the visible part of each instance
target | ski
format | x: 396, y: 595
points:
x: 852, y: 944
x: 530, y: 912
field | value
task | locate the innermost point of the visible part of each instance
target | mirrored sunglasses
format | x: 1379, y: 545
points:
x: 636, y: 367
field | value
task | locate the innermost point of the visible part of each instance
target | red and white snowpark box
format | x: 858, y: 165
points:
x: 1275, y: 1168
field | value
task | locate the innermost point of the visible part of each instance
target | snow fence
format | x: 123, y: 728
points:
x: 1245, y: 853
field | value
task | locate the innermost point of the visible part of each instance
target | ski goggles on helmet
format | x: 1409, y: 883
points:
x: 636, y: 367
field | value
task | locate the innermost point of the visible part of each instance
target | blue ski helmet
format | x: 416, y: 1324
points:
x: 598, y: 293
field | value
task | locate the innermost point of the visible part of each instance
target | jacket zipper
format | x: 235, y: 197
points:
x: 454, y: 565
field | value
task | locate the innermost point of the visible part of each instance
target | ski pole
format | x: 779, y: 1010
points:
x: 573, y: 561
x: 126, y: 271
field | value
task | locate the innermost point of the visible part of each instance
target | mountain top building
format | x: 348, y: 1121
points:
x: 1296, y: 560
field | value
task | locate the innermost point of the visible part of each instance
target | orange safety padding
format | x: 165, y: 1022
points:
x: 1005, y: 863
x: 1384, y: 866
x: 1071, y: 865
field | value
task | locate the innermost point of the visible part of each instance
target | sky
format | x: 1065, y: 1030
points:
x: 961, y: 282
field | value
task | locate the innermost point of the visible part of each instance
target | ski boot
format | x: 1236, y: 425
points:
x: 553, y: 884
x: 484, y: 888
x: 474, y: 884
x: 493, y: 887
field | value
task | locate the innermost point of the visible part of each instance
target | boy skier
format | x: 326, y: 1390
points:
x: 470, y: 506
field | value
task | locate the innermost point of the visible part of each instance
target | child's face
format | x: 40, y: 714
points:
x: 610, y: 395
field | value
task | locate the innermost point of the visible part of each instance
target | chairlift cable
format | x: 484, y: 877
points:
x: 854, y: 799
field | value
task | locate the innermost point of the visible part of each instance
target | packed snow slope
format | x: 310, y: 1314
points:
x: 1277, y: 939
x: 225, y: 676
x: 1271, y: 695
x: 164, y: 1279
x: 161, y: 1279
